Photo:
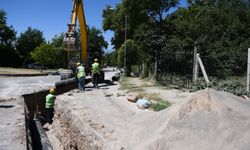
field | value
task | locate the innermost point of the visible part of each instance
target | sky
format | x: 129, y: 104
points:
x: 52, y: 16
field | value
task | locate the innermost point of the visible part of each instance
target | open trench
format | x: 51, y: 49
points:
x: 71, y: 135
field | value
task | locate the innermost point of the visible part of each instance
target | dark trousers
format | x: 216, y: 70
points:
x: 95, y: 79
x: 49, y: 114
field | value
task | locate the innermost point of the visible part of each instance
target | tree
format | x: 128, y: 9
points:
x: 110, y: 59
x: 8, y: 55
x: 27, y: 42
x: 7, y: 33
x: 219, y: 29
x: 60, y: 54
x: 158, y: 10
x: 45, y: 54
x: 140, y: 12
x: 131, y: 55
x: 96, y: 42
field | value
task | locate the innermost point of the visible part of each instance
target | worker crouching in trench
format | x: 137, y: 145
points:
x: 49, y: 106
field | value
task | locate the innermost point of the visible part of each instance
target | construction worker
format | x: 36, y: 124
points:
x: 49, y: 105
x: 95, y: 71
x: 80, y: 73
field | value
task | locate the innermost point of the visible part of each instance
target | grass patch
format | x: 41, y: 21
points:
x: 158, y: 103
x: 136, y: 89
x: 125, y: 85
x: 158, y: 106
x: 151, y: 96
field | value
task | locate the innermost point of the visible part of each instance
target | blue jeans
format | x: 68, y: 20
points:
x: 81, y: 83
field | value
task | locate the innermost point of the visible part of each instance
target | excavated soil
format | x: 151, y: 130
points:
x: 205, y: 120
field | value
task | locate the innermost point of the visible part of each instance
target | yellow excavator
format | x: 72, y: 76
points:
x: 70, y: 41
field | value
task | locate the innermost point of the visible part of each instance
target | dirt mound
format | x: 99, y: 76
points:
x: 207, y: 120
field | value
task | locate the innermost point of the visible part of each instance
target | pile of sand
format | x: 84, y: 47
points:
x: 207, y: 120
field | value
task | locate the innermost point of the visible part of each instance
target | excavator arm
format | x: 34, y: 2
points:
x: 70, y: 41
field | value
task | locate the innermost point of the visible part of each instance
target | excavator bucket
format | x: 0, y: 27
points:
x: 70, y: 42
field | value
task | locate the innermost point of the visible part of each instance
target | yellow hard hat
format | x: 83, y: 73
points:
x: 96, y: 60
x: 52, y: 90
x: 78, y: 64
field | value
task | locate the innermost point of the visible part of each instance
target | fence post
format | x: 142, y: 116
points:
x: 202, y: 68
x: 195, y: 64
x: 248, y: 70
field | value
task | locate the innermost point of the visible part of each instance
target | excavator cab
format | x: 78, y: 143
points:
x: 70, y: 39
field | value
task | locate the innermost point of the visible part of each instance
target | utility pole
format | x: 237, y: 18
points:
x: 248, y: 71
x: 195, y: 64
x: 125, y: 50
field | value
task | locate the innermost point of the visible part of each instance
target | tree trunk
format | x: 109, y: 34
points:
x: 156, y: 65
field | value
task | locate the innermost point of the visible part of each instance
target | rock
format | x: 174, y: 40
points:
x: 120, y: 94
x: 245, y: 97
x: 132, y: 97
x: 108, y: 94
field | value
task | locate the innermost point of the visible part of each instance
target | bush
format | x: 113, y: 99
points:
x: 232, y: 85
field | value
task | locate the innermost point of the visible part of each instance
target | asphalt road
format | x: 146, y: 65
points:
x: 16, y: 86
x: 12, y: 121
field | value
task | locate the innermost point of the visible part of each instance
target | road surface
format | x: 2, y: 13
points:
x: 12, y: 122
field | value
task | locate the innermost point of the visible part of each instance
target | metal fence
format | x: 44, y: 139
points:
x: 174, y: 72
x: 229, y: 76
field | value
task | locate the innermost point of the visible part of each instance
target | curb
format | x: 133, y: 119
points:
x: 25, y: 75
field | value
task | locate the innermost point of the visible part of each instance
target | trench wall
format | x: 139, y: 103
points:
x: 34, y: 107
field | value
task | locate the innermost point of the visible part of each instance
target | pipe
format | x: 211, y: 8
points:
x: 44, y: 140
x: 64, y: 83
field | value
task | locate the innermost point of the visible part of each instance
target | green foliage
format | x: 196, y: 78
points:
x: 201, y: 84
x: 220, y: 30
x: 110, y: 59
x: 134, y: 69
x: 7, y: 33
x: 27, y: 42
x: 114, y: 19
x: 45, y: 54
x: 145, y: 70
x: 60, y: 54
x: 8, y: 55
x: 232, y: 85
x: 96, y: 42
x: 131, y: 55
x: 57, y: 40
x: 140, y: 13
x: 158, y: 10
x: 221, y: 33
